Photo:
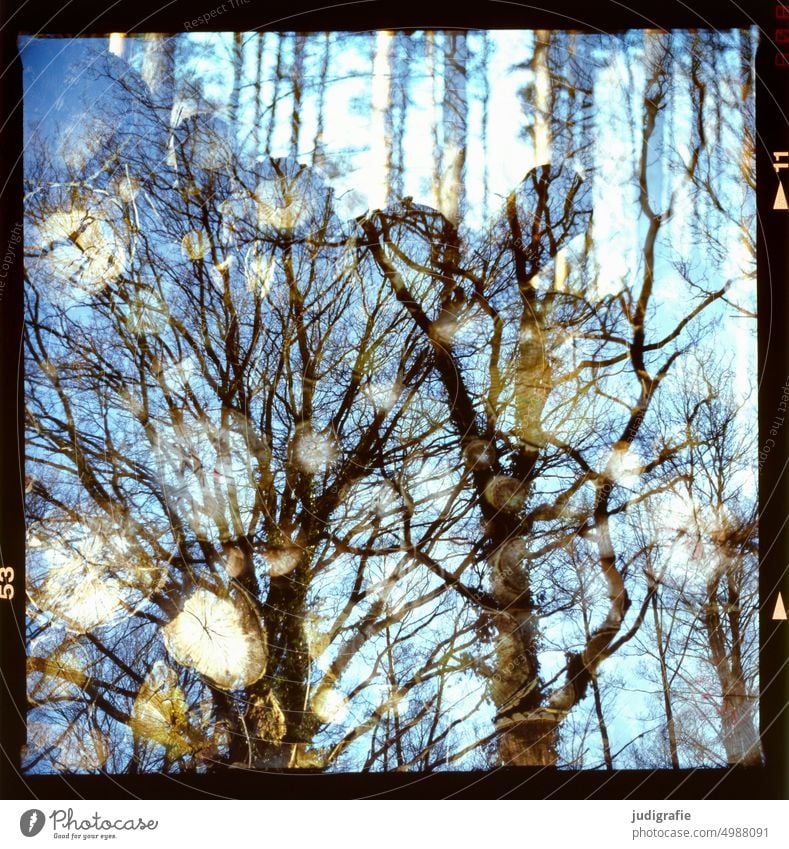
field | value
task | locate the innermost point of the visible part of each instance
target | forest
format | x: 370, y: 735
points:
x: 390, y: 401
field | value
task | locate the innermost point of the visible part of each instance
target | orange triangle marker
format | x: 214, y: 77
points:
x: 780, y: 610
x: 780, y: 199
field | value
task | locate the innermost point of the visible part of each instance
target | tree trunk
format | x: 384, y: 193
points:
x: 598, y: 699
x: 433, y: 71
x: 485, y: 62
x: 455, y: 112
x: 381, y: 152
x: 297, y: 81
x: 400, y: 92
x: 541, y: 136
x: 318, y: 156
x: 661, y: 647
x: 740, y: 738
x: 738, y: 729
x: 118, y: 44
x: 158, y: 71
x: 528, y: 730
x: 289, y: 667
x: 238, y: 72
x: 256, y: 128
x: 275, y: 95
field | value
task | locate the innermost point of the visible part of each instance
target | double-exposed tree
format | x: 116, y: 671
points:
x: 314, y: 486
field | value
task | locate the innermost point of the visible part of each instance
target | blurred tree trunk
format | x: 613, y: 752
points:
x: 541, y: 136
x: 118, y: 44
x: 238, y: 74
x: 666, y: 684
x: 297, y: 83
x: 318, y: 155
x: 455, y: 110
x: 602, y: 725
x: 257, y: 119
x: 382, y: 134
x: 484, y: 69
x: 158, y: 71
x: 433, y: 72
x: 401, y: 81
x: 272, y: 121
x: 738, y: 724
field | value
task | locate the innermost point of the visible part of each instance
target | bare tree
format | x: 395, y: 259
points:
x: 382, y: 493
